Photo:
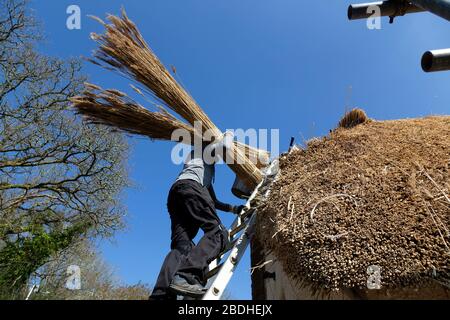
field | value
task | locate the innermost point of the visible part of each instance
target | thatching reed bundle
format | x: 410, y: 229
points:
x: 377, y: 194
x: 353, y: 118
x: 116, y: 109
x: 123, y: 49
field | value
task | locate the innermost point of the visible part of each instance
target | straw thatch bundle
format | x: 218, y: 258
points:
x: 353, y: 118
x: 373, y: 195
x: 123, y: 50
x: 115, y: 108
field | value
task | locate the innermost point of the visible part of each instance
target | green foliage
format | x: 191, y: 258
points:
x: 20, y: 258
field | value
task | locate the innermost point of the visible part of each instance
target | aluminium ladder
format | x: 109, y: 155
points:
x: 240, y: 234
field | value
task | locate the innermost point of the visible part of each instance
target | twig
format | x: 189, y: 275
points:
x: 437, y: 226
x: 289, y: 203
x: 282, y: 229
x: 292, y: 211
x: 331, y: 237
x: 260, y: 266
x: 436, y: 185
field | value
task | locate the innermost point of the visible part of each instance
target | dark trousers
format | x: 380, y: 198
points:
x: 190, y: 208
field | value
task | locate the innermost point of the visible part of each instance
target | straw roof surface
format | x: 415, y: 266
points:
x: 376, y: 194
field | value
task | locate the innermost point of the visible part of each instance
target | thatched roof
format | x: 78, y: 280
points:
x: 374, y: 194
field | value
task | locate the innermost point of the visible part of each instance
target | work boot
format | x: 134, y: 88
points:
x: 181, y: 287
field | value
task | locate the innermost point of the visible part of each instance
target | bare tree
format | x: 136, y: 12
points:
x: 59, y: 178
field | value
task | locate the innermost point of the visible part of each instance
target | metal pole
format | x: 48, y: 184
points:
x: 388, y: 8
x: 436, y: 60
x: 30, y: 292
x: 438, y: 7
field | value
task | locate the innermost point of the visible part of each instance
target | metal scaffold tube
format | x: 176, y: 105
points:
x: 438, y: 7
x: 387, y: 8
x: 436, y: 60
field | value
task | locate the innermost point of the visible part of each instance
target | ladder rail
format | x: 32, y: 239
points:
x: 221, y: 273
x: 237, y: 223
x: 228, y: 267
x: 216, y: 262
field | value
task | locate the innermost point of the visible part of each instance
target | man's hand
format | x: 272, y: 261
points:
x: 228, y: 139
x: 237, y: 209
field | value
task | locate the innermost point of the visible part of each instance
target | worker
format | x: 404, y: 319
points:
x: 192, y: 205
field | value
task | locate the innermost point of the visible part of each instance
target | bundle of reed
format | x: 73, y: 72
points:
x: 115, y: 108
x: 123, y: 49
x: 353, y: 118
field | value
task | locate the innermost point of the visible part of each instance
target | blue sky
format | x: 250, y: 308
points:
x: 283, y: 64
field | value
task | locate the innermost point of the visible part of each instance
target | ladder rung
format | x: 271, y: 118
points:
x: 237, y: 229
x: 227, y: 249
x: 218, y: 264
x: 222, y: 272
x: 247, y: 213
x: 229, y: 246
x: 213, y: 272
x: 242, y: 225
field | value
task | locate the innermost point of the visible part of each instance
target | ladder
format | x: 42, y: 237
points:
x: 241, y: 231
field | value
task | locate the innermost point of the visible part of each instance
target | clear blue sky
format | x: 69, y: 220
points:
x: 284, y: 64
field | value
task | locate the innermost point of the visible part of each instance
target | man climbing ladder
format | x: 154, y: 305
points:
x: 192, y: 205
